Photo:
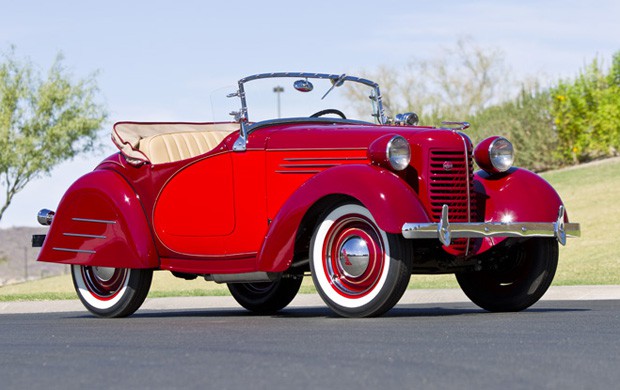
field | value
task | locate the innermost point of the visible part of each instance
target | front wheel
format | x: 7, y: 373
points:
x: 266, y: 297
x: 111, y: 292
x: 358, y: 269
x: 523, y: 275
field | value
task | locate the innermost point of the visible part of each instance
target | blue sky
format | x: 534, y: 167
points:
x: 160, y: 60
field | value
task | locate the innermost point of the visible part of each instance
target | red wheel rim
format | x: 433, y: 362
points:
x: 353, y: 275
x: 104, y: 282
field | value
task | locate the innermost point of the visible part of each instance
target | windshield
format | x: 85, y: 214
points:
x: 298, y: 95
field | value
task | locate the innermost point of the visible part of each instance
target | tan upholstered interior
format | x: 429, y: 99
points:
x: 157, y: 143
x: 163, y: 148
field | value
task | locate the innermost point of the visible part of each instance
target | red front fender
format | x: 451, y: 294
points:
x: 100, y: 222
x: 390, y: 200
x: 516, y: 196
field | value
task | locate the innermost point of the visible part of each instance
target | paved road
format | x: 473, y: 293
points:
x: 555, y: 344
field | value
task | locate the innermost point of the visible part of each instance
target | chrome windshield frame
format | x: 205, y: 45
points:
x: 242, y: 115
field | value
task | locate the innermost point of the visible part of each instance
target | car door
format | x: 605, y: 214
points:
x: 214, y: 207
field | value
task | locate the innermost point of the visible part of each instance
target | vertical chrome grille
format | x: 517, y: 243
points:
x: 448, y: 184
x: 451, y: 182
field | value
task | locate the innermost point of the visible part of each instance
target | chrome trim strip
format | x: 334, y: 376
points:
x: 91, y: 252
x: 94, y: 220
x: 446, y: 231
x: 325, y: 158
x: 297, y: 171
x: 307, y: 165
x: 468, y: 182
x: 83, y: 235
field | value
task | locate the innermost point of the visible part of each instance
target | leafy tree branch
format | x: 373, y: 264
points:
x: 43, y: 121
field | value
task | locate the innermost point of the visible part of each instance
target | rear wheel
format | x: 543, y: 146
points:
x: 358, y: 269
x: 266, y: 297
x: 111, y: 292
x: 525, y: 272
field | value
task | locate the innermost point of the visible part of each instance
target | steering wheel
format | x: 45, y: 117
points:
x: 328, y: 111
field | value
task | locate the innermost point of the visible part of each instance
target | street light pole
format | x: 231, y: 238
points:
x: 278, y: 90
x: 26, y: 263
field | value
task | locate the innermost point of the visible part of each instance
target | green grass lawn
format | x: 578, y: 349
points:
x: 590, y: 193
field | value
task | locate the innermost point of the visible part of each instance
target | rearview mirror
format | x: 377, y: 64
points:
x: 303, y: 86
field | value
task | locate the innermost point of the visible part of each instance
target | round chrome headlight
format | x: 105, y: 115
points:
x: 391, y: 151
x: 494, y: 154
x: 398, y: 153
x: 501, y: 154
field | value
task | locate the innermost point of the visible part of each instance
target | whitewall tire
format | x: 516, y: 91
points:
x: 111, y: 292
x: 358, y: 269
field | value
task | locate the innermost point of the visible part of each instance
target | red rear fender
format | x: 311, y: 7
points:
x: 100, y: 222
x: 390, y: 200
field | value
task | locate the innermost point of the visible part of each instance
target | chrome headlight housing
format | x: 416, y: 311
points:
x: 398, y: 153
x: 501, y: 154
x: 495, y: 154
x: 391, y: 151
x: 407, y: 119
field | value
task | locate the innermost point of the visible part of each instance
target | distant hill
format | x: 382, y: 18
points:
x: 18, y: 258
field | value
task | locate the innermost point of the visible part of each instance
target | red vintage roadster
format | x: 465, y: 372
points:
x: 360, y: 203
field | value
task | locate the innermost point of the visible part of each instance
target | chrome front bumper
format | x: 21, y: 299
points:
x: 446, y: 231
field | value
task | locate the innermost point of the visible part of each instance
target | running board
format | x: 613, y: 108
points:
x: 249, y: 277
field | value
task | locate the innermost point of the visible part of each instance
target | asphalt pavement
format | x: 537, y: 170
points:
x: 414, y: 296
x: 433, y: 339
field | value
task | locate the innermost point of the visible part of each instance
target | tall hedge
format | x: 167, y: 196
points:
x: 574, y: 121
x: 527, y: 122
x: 586, y: 113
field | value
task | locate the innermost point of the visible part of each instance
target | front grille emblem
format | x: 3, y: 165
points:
x: 447, y: 166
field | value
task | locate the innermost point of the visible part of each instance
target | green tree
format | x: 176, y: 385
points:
x: 43, y: 121
x: 614, y: 73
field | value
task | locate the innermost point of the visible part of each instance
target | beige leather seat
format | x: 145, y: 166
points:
x: 163, y: 148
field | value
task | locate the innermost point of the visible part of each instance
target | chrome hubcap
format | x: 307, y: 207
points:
x: 354, y: 256
x: 104, y: 273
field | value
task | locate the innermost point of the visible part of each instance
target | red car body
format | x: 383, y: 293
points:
x: 254, y: 211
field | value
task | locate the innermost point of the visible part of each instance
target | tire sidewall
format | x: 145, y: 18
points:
x: 271, y: 300
x: 91, y: 299
x: 541, y: 264
x: 381, y: 292
x: 124, y: 302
